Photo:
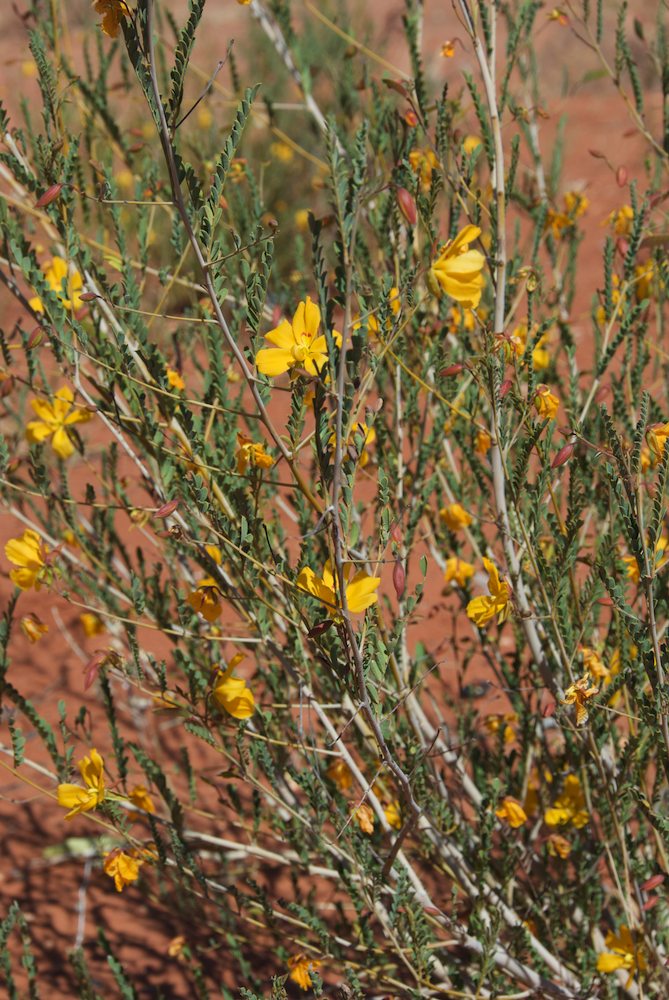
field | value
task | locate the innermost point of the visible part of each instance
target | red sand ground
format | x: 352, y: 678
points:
x: 65, y: 902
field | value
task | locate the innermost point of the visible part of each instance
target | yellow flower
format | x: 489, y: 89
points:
x: 91, y: 624
x: 470, y: 143
x: 546, y: 403
x: 174, y: 379
x: 33, y: 628
x: 282, y: 152
x: 423, y: 162
x: 28, y: 553
x: 78, y: 799
x: 518, y: 339
x: 360, y: 590
x: 54, y: 419
x: 558, y: 846
x: 481, y: 610
x: 206, y: 599
x: 340, y: 773
x: 448, y: 49
x: 393, y: 814
x: 579, y: 694
x: 122, y: 867
x: 656, y: 438
x: 458, y: 571
x: 300, y: 966
x: 395, y: 300
x: 594, y: 664
x: 243, y: 3
x: 232, y: 694
x: 494, y: 723
x: 576, y: 204
x: 112, y: 13
x: 621, y: 220
x: 624, y: 954
x: 364, y: 817
x: 644, y: 276
x: 55, y: 272
x: 253, y: 454
x: 139, y: 796
x: 356, y: 443
x: 455, y: 516
x: 512, y: 812
x: 457, y: 269
x: 569, y: 807
x: 301, y: 218
x: 482, y: 442
x: 461, y: 320
x: 633, y: 571
x: 296, y: 343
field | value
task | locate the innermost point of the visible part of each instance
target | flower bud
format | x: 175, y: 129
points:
x: 399, y: 578
x: 407, y: 206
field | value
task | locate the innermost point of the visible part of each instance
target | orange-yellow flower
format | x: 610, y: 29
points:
x: 481, y: 610
x: 448, y: 49
x: 232, y: 693
x: 360, y: 589
x: 364, y: 817
x: 122, y: 867
x: 423, y: 162
x: 558, y: 846
x: 482, y: 442
x: 139, y: 796
x: 569, y: 807
x: 494, y: 723
x: 356, y: 443
x: 455, y: 516
x: 175, y: 379
x: 251, y: 453
x: 54, y: 419
x: 113, y: 12
x: 518, y: 339
x: 28, y: 553
x: 457, y: 269
x: 206, y: 599
x: 578, y: 694
x: 625, y: 954
x: 393, y: 814
x: 91, y: 624
x: 78, y: 799
x: 458, y: 571
x: 33, y: 628
x: 546, y: 404
x: 300, y: 966
x: 511, y: 811
x: 656, y: 438
x: 295, y: 344
x: 340, y: 773
x: 621, y: 219
x: 633, y: 571
x: 594, y: 664
x: 56, y: 272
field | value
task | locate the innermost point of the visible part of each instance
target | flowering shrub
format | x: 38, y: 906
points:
x: 355, y: 519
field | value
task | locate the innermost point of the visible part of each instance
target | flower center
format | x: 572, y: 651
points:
x: 300, y: 352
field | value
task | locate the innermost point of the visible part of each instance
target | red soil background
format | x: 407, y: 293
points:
x: 63, y: 900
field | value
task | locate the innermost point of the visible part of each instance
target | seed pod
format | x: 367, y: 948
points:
x: 35, y: 338
x: 396, y: 534
x: 6, y: 386
x: 399, y: 579
x: 167, y: 508
x: 505, y: 387
x: 48, y: 196
x: 407, y: 206
x: 621, y: 177
x: 653, y: 882
x: 89, y: 296
x: 563, y: 455
x: 320, y: 629
x: 452, y: 370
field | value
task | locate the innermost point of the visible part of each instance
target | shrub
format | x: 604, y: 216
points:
x: 367, y: 536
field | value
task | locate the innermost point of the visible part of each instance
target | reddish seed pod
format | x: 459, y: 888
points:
x: 452, y: 370
x: 399, y: 579
x: 89, y: 296
x: 407, y: 206
x: 621, y: 177
x: 6, y: 386
x: 622, y: 246
x: 320, y: 628
x: 48, y: 196
x: 396, y: 534
x: 604, y: 602
x: 563, y: 455
x: 92, y: 668
x: 167, y: 508
x: 602, y: 393
x: 650, y: 903
x: 548, y: 710
x: 505, y: 387
x: 398, y: 87
x: 136, y: 148
x: 411, y: 118
x: 35, y: 338
x: 653, y: 882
